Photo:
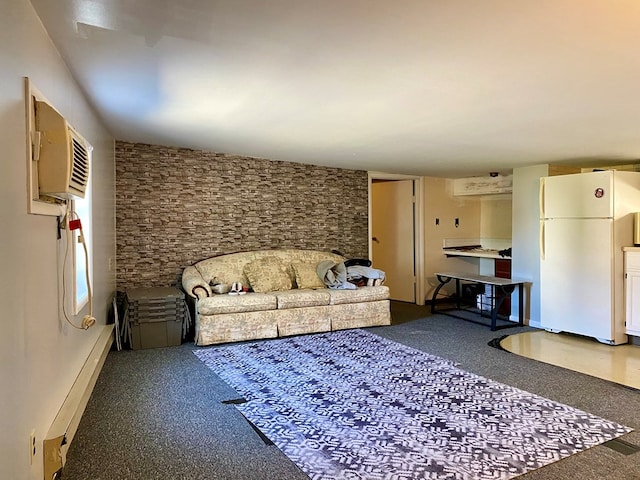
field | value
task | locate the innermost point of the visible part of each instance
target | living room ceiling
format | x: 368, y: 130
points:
x: 431, y: 87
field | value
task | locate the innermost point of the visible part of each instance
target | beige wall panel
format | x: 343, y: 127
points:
x: 495, y: 216
x: 440, y: 203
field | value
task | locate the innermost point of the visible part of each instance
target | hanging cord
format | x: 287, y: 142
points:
x: 88, y: 320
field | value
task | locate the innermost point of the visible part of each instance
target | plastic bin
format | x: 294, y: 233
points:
x: 155, y: 316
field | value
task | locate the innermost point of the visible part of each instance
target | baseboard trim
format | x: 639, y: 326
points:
x: 63, y: 429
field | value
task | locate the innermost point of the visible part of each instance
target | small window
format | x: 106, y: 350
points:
x: 82, y: 207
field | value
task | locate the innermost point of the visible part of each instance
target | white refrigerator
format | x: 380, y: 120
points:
x: 585, y: 220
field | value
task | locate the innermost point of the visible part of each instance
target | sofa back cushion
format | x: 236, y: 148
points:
x: 229, y: 268
x: 268, y: 274
x: 306, y: 275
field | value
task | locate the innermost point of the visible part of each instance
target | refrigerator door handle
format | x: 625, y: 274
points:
x: 542, y: 240
x: 541, y: 197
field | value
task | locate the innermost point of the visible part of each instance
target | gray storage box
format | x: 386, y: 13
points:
x: 155, y: 316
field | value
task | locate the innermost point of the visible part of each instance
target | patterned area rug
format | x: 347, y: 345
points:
x: 352, y: 405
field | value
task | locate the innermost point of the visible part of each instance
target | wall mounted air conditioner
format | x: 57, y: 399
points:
x: 61, y: 153
x: 483, y: 185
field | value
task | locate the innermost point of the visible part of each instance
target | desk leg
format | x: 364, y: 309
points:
x: 505, y: 291
x: 521, y: 304
x: 443, y: 281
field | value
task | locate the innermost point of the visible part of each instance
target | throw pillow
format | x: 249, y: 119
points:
x: 306, y: 275
x: 267, y: 274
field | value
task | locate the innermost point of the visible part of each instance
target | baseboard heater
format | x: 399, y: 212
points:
x: 63, y: 429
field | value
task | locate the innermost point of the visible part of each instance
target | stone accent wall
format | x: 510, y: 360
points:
x: 176, y: 206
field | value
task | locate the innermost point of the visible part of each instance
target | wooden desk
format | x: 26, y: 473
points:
x: 502, y: 288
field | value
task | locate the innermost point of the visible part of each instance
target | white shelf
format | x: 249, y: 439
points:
x: 471, y: 253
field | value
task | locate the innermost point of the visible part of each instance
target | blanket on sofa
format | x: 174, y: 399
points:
x: 345, y: 276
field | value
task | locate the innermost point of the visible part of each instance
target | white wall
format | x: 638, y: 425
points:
x: 40, y: 356
x: 525, y: 263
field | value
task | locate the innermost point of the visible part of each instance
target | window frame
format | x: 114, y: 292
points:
x: 84, y: 205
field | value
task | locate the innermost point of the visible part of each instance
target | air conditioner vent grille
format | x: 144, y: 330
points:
x: 80, y: 167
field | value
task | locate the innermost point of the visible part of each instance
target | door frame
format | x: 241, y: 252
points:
x: 418, y: 219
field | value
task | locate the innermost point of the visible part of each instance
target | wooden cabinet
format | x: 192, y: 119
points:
x: 503, y: 270
x: 632, y: 291
x: 486, y: 298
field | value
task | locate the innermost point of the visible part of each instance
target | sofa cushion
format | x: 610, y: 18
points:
x: 302, y: 298
x: 359, y: 315
x: 268, y: 274
x: 361, y: 294
x: 250, y: 302
x: 299, y: 321
x: 236, y: 327
x: 228, y: 268
x: 306, y: 275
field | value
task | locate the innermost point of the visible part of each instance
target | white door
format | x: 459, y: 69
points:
x: 578, y: 196
x: 576, y: 277
x: 392, y: 228
x: 632, y: 292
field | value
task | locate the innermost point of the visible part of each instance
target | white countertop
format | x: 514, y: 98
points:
x: 474, y: 252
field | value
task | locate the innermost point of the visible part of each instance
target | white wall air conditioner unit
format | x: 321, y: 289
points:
x: 62, y: 155
x: 483, y: 185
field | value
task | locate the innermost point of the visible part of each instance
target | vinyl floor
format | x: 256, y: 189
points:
x: 619, y: 364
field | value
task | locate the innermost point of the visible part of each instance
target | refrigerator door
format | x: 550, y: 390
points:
x: 576, y: 277
x: 583, y: 195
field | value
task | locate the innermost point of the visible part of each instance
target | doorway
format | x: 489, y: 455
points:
x: 396, y: 237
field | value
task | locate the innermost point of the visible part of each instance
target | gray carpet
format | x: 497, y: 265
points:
x: 157, y: 414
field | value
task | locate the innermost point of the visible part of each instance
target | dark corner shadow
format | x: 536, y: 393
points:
x: 403, y: 312
x: 495, y: 343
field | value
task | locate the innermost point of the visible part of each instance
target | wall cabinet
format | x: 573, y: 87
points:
x: 632, y: 291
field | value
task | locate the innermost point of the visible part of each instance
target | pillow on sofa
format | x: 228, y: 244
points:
x: 307, y: 276
x: 267, y: 274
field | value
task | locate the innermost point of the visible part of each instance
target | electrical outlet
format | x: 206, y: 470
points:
x: 32, y: 446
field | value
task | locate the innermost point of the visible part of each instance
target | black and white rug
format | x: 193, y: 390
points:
x: 353, y: 405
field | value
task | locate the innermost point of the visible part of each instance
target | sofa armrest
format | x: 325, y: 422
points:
x: 194, y: 284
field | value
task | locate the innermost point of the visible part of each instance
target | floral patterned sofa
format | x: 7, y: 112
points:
x: 288, y: 297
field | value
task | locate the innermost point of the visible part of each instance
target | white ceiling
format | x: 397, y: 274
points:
x: 430, y: 87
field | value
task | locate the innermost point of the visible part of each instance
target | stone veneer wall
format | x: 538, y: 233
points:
x: 176, y: 206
